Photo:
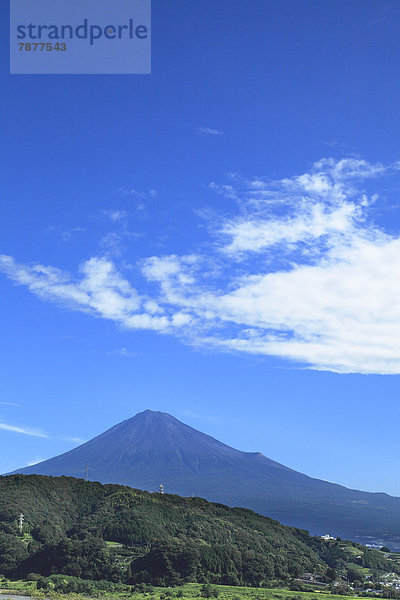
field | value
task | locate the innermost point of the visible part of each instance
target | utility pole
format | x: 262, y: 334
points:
x: 21, y: 519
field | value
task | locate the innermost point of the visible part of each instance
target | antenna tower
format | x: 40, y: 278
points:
x: 21, y: 519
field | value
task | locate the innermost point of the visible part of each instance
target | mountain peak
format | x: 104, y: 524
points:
x: 148, y: 411
x: 148, y: 421
x: 152, y: 415
x: 141, y: 451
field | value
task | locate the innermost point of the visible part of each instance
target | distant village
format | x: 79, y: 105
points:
x: 386, y: 585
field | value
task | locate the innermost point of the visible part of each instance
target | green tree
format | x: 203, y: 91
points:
x: 209, y: 591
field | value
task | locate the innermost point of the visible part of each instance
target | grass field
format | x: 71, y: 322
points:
x: 113, y: 544
x: 188, y: 591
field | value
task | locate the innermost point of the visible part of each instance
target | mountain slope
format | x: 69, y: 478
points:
x: 154, y: 447
x: 167, y: 538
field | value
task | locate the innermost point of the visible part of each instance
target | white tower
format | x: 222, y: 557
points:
x: 161, y: 488
x: 21, y: 522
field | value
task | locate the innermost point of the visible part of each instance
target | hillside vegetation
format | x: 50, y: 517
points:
x: 115, y: 533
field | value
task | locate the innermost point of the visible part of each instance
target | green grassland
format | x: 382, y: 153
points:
x: 189, y: 591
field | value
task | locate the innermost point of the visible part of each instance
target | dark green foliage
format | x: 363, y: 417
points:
x: 12, y: 553
x: 167, y: 540
x: 69, y: 584
x: 354, y: 576
x: 342, y: 589
x: 143, y: 588
x: 166, y: 564
x: 297, y: 586
x: 89, y: 559
x: 390, y: 592
x: 373, y: 560
x: 209, y: 591
x: 331, y: 574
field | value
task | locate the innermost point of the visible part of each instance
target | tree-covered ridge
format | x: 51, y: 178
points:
x: 165, y: 538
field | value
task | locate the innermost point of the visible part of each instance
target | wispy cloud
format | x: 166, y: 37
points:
x: 11, y: 404
x: 113, y: 243
x: 208, y: 131
x: 129, y: 191
x: 64, y: 235
x: 69, y: 438
x: 116, y: 216
x: 194, y: 415
x: 38, y: 433
x: 300, y: 270
x: 101, y: 290
x: 330, y: 300
x: 124, y: 352
x: 35, y: 461
x: 23, y: 430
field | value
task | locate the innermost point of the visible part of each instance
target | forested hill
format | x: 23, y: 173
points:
x: 165, y: 538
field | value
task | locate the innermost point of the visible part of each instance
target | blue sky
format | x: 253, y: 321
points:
x: 219, y: 240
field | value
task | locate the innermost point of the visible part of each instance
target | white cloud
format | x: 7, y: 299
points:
x: 208, y: 131
x: 340, y: 315
x: 23, y: 430
x: 332, y: 306
x: 38, y: 433
x: 315, y: 221
x: 101, y: 291
x: 11, y: 404
x: 127, y: 191
x: 194, y: 415
x: 64, y: 235
x: 124, y: 352
x: 116, y: 215
x: 71, y: 438
x: 302, y: 272
x: 34, y: 461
